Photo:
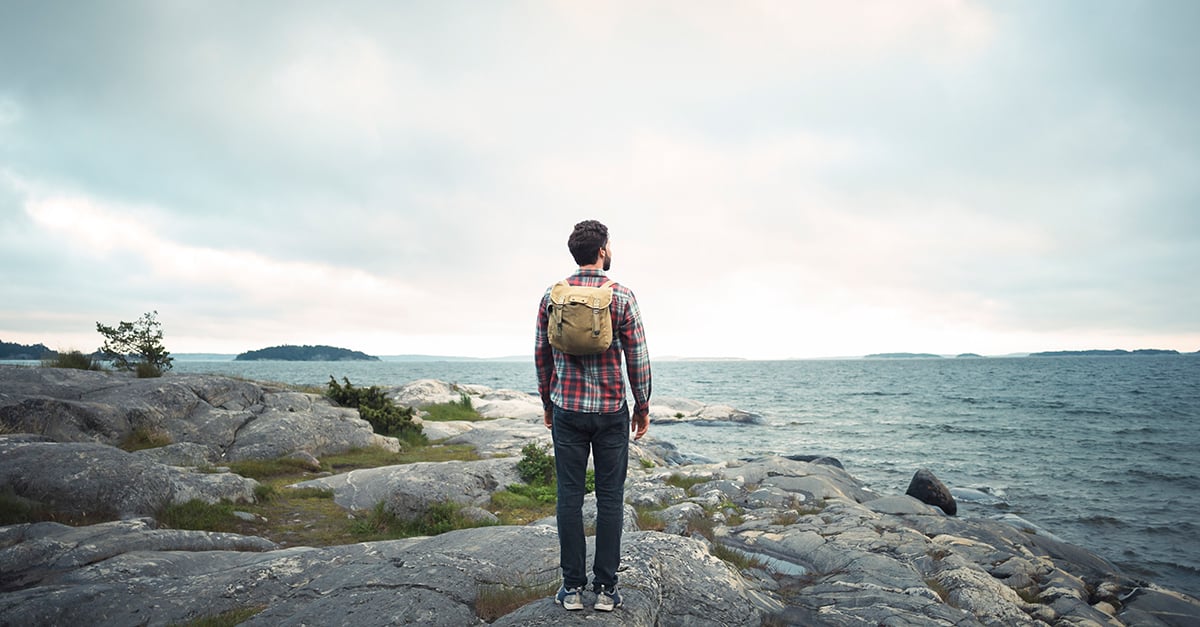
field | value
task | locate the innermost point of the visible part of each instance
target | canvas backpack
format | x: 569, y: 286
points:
x: 580, y: 318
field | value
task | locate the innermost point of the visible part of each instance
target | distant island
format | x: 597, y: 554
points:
x: 304, y: 353
x: 11, y: 350
x: 1105, y: 353
x: 903, y: 356
x: 969, y: 355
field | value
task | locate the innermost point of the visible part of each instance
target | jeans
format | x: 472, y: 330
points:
x: 606, y: 436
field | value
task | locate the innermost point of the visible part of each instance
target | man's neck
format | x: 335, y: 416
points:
x: 593, y: 266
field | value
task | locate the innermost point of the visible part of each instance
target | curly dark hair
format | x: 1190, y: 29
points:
x: 586, y: 241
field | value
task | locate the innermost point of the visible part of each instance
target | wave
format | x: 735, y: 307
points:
x: 1164, y: 476
x: 1100, y: 520
x: 1136, y: 430
x: 878, y: 393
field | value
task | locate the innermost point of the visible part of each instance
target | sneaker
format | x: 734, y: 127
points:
x: 607, y: 599
x: 569, y: 598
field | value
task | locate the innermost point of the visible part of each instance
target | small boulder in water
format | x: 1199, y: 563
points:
x: 927, y: 488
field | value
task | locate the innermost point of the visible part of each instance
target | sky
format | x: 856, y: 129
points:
x: 786, y: 179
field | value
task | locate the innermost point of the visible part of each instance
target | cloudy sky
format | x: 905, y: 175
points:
x: 780, y: 179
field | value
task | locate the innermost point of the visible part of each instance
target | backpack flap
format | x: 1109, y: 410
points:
x: 580, y: 319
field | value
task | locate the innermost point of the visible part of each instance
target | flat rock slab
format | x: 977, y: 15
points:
x: 92, y: 479
x: 666, y: 580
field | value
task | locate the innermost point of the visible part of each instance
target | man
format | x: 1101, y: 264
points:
x: 585, y: 410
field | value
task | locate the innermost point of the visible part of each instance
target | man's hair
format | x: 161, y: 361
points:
x: 586, y: 241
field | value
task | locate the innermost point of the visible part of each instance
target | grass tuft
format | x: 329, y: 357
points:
x: 144, y: 438
x: 493, y: 601
x: 224, y: 619
x: 199, y: 516
x: 72, y: 359
x: 648, y: 519
x: 687, y: 483
x: 462, y: 409
x: 380, y: 524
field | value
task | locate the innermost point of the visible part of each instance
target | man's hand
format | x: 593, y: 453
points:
x: 548, y: 418
x: 639, y: 425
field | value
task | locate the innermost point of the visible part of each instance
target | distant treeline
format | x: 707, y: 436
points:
x: 10, y: 350
x: 1105, y: 353
x: 305, y: 353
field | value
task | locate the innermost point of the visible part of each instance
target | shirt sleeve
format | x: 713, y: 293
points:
x: 543, y: 356
x: 637, y: 357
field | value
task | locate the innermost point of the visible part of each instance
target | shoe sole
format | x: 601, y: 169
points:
x: 578, y: 605
x: 605, y: 607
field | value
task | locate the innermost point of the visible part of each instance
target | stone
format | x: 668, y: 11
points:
x: 409, y: 489
x: 824, y: 550
x: 224, y: 418
x: 96, y: 480
x: 927, y: 488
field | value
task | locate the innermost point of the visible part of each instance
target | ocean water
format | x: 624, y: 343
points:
x: 1103, y: 452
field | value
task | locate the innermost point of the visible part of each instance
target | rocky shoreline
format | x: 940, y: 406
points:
x: 800, y: 540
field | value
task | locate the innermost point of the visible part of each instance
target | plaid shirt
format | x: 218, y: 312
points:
x: 594, y: 383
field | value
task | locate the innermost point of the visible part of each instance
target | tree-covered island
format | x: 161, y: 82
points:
x: 304, y: 353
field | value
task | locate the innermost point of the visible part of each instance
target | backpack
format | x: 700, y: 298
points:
x: 580, y: 318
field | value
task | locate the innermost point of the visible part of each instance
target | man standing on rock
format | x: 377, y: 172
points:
x: 583, y: 396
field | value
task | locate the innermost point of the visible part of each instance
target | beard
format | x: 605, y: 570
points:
x: 607, y: 263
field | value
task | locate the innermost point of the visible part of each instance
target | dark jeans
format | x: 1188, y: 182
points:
x: 606, y: 436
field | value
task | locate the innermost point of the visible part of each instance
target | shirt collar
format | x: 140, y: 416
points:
x: 589, y: 272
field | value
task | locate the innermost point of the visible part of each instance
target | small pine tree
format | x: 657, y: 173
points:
x: 136, y: 346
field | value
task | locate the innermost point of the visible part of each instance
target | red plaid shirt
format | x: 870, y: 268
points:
x: 595, y: 383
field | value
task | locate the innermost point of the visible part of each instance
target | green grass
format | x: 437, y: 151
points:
x: 16, y: 509
x: 514, y: 508
x: 199, y: 516
x: 646, y: 462
x: 738, y: 559
x: 224, y: 619
x: 144, y: 438
x: 380, y: 524
x: 687, y: 483
x: 648, y: 519
x: 72, y: 359
x: 454, y: 410
x: 493, y: 601
x: 267, y: 468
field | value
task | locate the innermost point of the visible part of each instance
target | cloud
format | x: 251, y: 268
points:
x: 939, y: 173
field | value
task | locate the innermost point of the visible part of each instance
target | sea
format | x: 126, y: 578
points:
x: 1100, y: 451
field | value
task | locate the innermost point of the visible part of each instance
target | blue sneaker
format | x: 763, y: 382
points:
x: 607, y: 598
x: 569, y: 598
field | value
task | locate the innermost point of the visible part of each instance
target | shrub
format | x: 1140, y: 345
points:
x: 385, y: 416
x: 72, y: 359
x: 537, y: 465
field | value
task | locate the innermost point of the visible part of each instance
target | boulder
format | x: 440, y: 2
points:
x: 408, y: 490
x: 96, y: 480
x: 224, y: 419
x: 126, y: 580
x: 678, y: 410
x: 927, y: 488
